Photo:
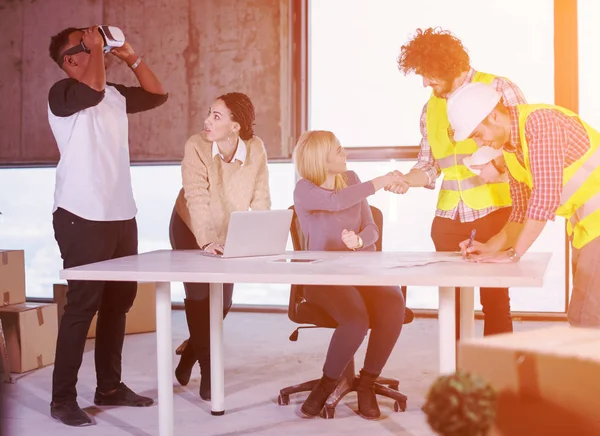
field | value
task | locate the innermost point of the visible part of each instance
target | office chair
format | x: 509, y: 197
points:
x: 302, y: 312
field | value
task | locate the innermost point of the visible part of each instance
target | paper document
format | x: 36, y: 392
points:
x: 422, y: 259
x: 401, y: 260
x: 425, y: 259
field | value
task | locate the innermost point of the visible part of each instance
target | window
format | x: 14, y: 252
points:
x: 26, y: 222
x: 589, y: 62
x: 356, y: 90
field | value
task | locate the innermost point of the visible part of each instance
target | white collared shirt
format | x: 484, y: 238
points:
x: 240, y: 153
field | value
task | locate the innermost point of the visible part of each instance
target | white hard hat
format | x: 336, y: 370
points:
x: 468, y: 106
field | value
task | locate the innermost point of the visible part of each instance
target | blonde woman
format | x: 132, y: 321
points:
x: 224, y: 169
x: 331, y: 204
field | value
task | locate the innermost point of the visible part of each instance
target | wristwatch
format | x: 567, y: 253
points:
x: 513, y: 255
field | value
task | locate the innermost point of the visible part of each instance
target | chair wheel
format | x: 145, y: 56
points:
x: 283, y: 400
x: 399, y: 406
x: 328, y: 413
x: 394, y: 386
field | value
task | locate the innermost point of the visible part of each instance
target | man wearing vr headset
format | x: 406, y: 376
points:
x: 94, y: 210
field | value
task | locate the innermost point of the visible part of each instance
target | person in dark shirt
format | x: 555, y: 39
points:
x: 94, y: 210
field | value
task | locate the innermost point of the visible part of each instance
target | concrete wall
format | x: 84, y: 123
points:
x: 198, y: 48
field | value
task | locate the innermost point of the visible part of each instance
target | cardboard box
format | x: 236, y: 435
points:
x: 30, y: 330
x: 141, y: 318
x: 547, y: 380
x: 12, y: 277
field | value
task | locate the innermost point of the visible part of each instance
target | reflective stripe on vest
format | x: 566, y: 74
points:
x: 460, y: 183
x: 587, y: 209
x: 580, y: 197
x: 448, y: 161
x: 473, y: 182
x: 579, y: 178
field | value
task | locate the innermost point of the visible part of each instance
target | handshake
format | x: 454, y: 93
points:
x: 393, y: 181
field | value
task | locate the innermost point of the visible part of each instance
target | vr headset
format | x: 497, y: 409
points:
x: 112, y: 36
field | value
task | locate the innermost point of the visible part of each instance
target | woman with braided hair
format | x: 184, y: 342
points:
x: 224, y: 169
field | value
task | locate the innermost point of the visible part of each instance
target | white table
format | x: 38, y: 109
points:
x: 335, y: 268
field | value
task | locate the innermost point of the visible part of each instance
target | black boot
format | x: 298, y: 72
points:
x: 317, y: 398
x: 183, y: 372
x: 198, y: 318
x: 367, y: 400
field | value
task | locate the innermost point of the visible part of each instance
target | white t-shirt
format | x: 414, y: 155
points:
x: 93, y: 177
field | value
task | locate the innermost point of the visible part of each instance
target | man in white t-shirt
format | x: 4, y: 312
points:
x: 94, y: 210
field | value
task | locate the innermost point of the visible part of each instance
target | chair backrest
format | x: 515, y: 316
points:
x: 299, y: 310
x: 299, y: 241
x: 378, y: 218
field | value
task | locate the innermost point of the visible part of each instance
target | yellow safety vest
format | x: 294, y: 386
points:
x: 580, y: 198
x: 460, y: 183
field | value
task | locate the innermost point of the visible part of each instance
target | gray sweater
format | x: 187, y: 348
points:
x: 325, y: 213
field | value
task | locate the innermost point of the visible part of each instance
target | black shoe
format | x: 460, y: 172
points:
x: 367, y: 400
x: 409, y: 316
x: 183, y: 372
x: 122, y: 396
x: 69, y: 413
x: 317, y: 398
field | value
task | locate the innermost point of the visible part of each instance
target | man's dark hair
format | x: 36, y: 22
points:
x: 59, y: 42
x: 434, y: 53
x: 242, y: 112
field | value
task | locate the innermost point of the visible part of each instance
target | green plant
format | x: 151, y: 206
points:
x: 460, y: 404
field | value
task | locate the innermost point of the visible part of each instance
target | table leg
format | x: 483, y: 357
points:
x: 467, y: 312
x: 217, y: 369
x: 447, y: 328
x: 164, y: 347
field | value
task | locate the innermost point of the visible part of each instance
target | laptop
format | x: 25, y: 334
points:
x: 256, y: 233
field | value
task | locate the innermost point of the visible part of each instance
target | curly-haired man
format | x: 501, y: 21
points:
x: 467, y: 202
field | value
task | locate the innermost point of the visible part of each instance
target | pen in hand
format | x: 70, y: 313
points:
x: 471, y: 238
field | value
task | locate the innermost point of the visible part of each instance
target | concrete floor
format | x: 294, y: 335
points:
x: 260, y: 360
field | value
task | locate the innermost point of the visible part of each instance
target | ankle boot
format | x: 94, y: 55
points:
x: 367, y: 400
x: 318, y: 397
x: 183, y: 372
x: 198, y: 317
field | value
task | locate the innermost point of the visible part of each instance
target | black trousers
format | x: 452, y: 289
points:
x: 495, y: 302
x: 182, y: 238
x: 82, y: 242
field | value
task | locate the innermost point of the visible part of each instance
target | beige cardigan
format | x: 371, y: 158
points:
x: 212, y: 188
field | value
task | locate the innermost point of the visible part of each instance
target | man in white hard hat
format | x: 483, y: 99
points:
x: 554, y: 162
x: 467, y: 201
